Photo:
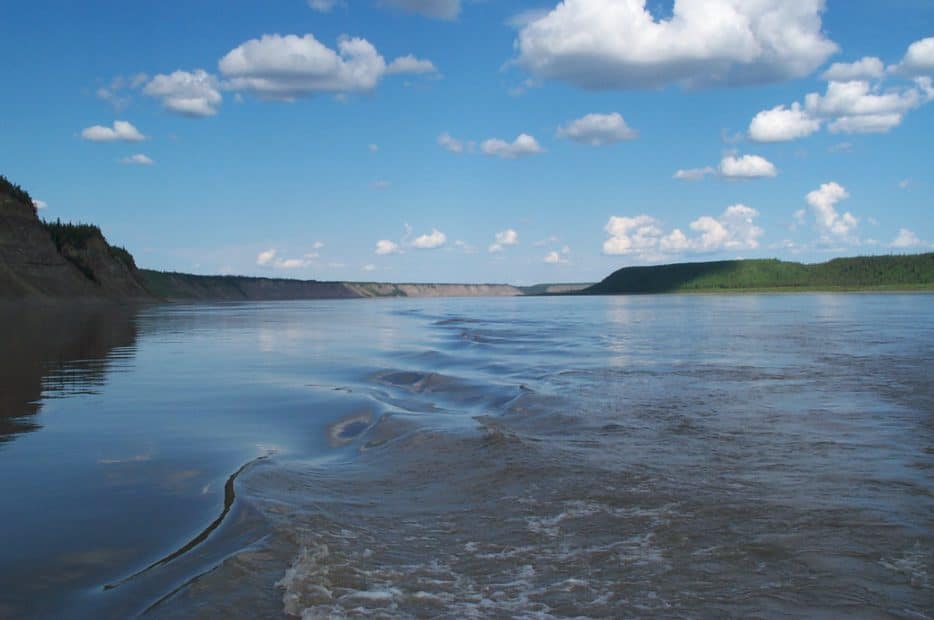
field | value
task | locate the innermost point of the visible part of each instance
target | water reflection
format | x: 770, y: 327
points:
x: 57, y: 351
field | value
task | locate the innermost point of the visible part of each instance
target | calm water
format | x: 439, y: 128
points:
x: 674, y: 456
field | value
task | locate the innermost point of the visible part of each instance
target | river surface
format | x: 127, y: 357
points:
x: 628, y: 457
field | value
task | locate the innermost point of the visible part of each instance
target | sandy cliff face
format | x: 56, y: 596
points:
x: 32, y: 266
x: 434, y: 290
x: 187, y: 287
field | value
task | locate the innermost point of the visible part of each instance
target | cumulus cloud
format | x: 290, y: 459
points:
x: 905, y: 239
x: 430, y: 241
x: 504, y: 239
x: 290, y: 66
x: 115, y: 93
x: 857, y: 108
x: 643, y: 236
x: 189, y: 93
x: 919, y: 59
x: 121, y: 131
x: 747, y: 167
x: 613, y: 44
x: 292, y: 263
x: 369, y: 267
x: 436, y: 9
x: 855, y: 100
x: 323, y: 6
x: 523, y: 146
x: 631, y: 234
x: 598, y: 130
x: 265, y: 258
x: 733, y: 230
x: 781, y: 124
x: 411, y: 65
x: 270, y: 258
x: 385, y: 247
x: 40, y: 204
x: 694, y: 174
x: 139, y: 160
x: 453, y: 145
x: 833, y: 226
x: 558, y: 257
x: 867, y: 68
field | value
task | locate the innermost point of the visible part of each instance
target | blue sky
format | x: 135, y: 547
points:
x: 459, y: 140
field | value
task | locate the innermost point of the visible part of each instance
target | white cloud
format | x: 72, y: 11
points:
x: 112, y: 97
x: 694, y: 174
x: 410, y: 65
x: 631, y: 234
x: 139, y: 159
x: 270, y: 258
x: 781, y: 124
x: 919, y: 59
x: 833, y: 226
x: 385, y: 247
x: 451, y: 144
x: 598, y: 130
x: 867, y: 68
x: 40, y: 204
x: 642, y: 236
x: 369, y: 267
x: 556, y: 257
x: 435, y: 239
x: 503, y: 239
x: 858, y: 98
x: 121, y: 131
x: 194, y: 94
x: 747, y: 167
x: 855, y: 106
x: 523, y: 146
x: 546, y: 241
x: 381, y: 184
x: 614, y: 44
x: 904, y: 184
x: 290, y: 66
x: 291, y: 263
x: 265, y: 258
x: 323, y: 6
x: 373, y: 148
x: 733, y: 230
x: 869, y: 123
x: 905, y: 239
x: 437, y: 9
x: 113, y: 93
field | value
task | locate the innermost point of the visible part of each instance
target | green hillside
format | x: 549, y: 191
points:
x: 865, y: 272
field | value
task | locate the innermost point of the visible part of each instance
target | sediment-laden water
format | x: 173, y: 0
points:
x: 672, y: 456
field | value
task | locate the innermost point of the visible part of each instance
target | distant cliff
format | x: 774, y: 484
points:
x: 55, y: 260
x: 859, y: 273
x: 188, y: 287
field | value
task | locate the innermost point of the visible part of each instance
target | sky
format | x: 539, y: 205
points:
x: 474, y: 140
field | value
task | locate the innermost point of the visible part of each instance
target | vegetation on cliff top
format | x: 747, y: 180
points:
x: 864, y: 272
x: 70, y: 239
x: 16, y: 192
